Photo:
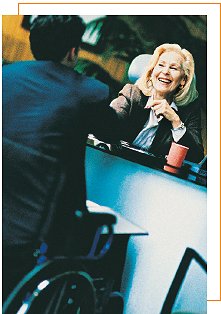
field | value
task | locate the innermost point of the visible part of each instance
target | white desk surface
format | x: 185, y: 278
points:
x: 122, y: 226
x: 173, y: 211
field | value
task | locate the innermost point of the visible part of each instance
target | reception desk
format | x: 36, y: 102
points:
x: 173, y: 211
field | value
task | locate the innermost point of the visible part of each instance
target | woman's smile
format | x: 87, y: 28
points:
x: 164, y: 80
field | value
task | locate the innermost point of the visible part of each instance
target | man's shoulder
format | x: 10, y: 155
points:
x: 18, y: 64
x: 18, y: 67
x: 92, y: 82
x: 92, y: 87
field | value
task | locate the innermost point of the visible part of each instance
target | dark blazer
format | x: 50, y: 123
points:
x: 130, y: 109
x: 51, y: 109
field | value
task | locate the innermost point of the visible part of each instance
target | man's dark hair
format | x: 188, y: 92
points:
x: 51, y: 36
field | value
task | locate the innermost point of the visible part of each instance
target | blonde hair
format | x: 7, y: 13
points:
x: 183, y: 96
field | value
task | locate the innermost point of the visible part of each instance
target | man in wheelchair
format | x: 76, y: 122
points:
x: 48, y: 112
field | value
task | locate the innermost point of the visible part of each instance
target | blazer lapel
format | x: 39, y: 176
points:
x: 137, y: 118
x: 162, y: 141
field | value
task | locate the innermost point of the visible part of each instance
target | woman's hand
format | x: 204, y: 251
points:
x: 162, y: 108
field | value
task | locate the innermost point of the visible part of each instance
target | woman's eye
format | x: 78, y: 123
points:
x: 160, y: 65
x: 173, y: 68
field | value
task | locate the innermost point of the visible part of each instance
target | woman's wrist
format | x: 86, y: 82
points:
x: 176, y: 122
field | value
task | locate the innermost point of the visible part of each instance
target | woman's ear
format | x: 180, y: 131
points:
x: 183, y: 82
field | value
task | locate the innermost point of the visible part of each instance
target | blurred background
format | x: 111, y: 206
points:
x: 110, y: 43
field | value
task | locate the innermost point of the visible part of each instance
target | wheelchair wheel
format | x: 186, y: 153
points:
x: 56, y: 287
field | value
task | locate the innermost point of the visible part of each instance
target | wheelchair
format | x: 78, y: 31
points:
x: 62, y: 281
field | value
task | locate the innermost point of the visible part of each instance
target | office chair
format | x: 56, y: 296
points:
x: 137, y: 67
x: 59, y: 283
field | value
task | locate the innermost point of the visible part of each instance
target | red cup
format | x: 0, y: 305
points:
x: 176, y: 155
x: 171, y: 169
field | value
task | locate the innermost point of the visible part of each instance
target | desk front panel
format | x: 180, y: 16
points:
x: 172, y: 210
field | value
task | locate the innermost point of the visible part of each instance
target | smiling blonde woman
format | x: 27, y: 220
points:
x: 160, y: 107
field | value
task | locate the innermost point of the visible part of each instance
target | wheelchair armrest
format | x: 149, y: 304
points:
x: 100, y: 219
x: 95, y: 221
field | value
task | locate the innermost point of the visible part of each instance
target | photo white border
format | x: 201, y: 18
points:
x: 213, y: 104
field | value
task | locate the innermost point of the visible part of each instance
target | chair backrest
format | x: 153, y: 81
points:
x: 32, y: 183
x: 33, y: 212
x: 137, y: 67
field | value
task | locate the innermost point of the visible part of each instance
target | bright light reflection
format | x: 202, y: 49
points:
x: 23, y: 309
x: 43, y: 284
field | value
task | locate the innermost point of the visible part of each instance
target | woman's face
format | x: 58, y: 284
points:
x: 168, y: 74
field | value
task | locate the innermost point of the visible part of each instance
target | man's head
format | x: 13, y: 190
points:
x: 53, y: 36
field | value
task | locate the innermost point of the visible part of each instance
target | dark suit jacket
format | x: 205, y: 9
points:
x: 51, y: 109
x: 130, y: 109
